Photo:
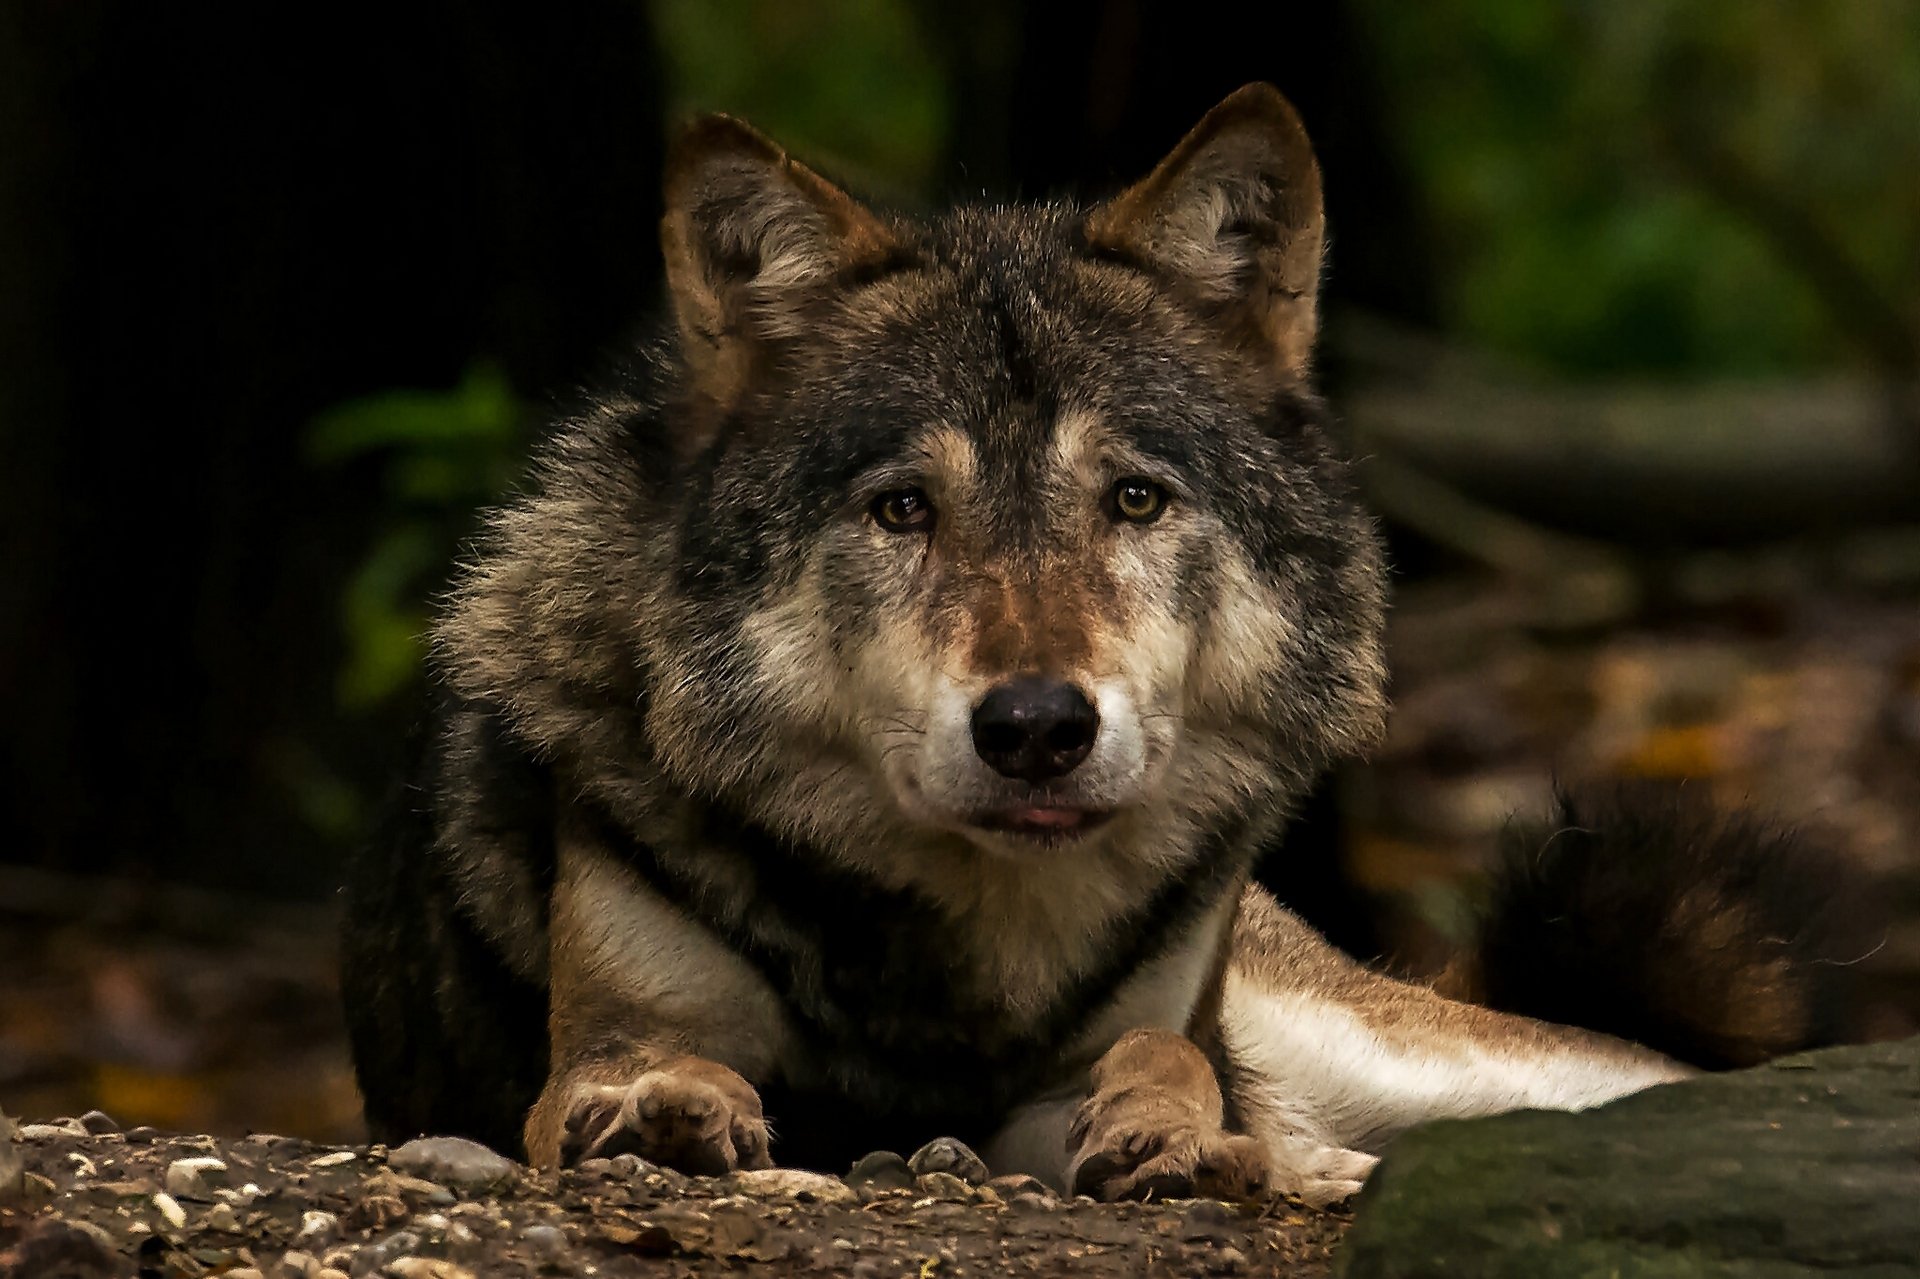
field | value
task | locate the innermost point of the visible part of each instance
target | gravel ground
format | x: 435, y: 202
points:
x: 88, y: 1201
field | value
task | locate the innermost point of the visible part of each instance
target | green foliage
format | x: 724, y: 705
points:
x: 442, y: 453
x: 850, y: 83
x: 1666, y: 185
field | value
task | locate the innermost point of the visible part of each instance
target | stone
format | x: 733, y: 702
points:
x: 946, y: 1187
x: 99, y: 1123
x: 296, y: 1264
x: 544, y: 1241
x: 381, y: 1255
x: 1020, y: 1183
x: 195, y: 1178
x: 427, y: 1268
x: 455, y: 1162
x: 950, y: 1155
x: 1808, y: 1164
x: 244, y: 1272
x: 882, y: 1170
x: 794, y: 1183
x: 222, y: 1217
x: 318, y: 1228
x: 52, y: 1247
x: 48, y: 1132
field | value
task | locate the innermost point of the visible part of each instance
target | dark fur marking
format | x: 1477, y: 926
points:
x: 906, y: 1052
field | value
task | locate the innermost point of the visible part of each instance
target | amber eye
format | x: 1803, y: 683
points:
x: 903, y: 511
x: 1138, y: 500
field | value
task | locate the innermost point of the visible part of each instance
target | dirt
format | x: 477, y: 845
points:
x: 96, y: 1205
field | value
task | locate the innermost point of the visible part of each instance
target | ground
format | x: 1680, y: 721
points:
x: 349, y: 1209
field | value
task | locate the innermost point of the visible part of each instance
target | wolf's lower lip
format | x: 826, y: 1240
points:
x: 1043, y: 822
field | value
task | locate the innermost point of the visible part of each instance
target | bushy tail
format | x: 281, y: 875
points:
x: 1715, y: 938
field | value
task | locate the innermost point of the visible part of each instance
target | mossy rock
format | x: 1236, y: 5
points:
x: 1807, y: 1166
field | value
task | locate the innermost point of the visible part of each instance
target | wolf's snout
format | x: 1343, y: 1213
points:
x: 1034, y: 728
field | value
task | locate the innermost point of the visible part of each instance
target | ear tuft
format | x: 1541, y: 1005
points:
x: 751, y: 236
x: 1233, y: 215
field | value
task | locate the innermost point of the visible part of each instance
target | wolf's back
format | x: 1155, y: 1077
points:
x: 1645, y: 913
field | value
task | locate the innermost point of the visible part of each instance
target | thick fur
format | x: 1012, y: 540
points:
x: 1719, y: 939
x: 703, y: 861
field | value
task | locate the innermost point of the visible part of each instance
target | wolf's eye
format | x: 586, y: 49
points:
x: 1140, y: 501
x: 902, y: 511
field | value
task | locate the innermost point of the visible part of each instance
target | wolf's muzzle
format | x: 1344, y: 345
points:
x: 1034, y: 729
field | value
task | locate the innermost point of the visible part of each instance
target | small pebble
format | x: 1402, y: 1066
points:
x: 432, y: 1221
x: 170, y: 1209
x: 335, y: 1159
x: 1027, y: 1199
x: 427, y: 1268
x: 142, y: 1133
x: 318, y: 1227
x: 456, y: 1162
x: 329, y: 1272
x: 195, y: 1178
x: 882, y: 1170
x: 949, y: 1155
x: 297, y: 1265
x: 244, y: 1272
x: 629, y: 1165
x: 44, y: 1132
x: 1020, y: 1183
x: 221, y: 1217
x: 595, y: 1167
x: 945, y: 1186
x: 99, y: 1123
x: 546, y: 1241
x: 1230, y: 1258
x: 795, y: 1183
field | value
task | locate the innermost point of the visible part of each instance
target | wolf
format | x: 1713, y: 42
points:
x: 865, y: 724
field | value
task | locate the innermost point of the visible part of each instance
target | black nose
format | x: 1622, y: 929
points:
x: 1034, y: 728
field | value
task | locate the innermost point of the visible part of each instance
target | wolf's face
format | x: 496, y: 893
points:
x: 1017, y: 526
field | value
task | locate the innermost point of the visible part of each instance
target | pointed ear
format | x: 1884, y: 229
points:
x: 751, y: 236
x: 1233, y: 215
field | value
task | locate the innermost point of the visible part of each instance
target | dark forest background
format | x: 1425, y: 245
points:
x: 285, y: 294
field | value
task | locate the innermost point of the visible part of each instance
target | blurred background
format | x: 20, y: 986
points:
x: 1622, y: 320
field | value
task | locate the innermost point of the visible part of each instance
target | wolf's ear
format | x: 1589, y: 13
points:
x: 1233, y: 214
x: 752, y: 235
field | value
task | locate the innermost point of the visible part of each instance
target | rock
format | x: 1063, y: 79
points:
x: 99, y: 1123
x: 335, y: 1159
x: 1030, y: 1200
x: 170, y: 1209
x: 51, y: 1247
x: 142, y: 1133
x: 376, y: 1256
x: 49, y: 1132
x: 244, y: 1272
x: 1809, y: 1164
x: 318, y: 1228
x: 794, y: 1183
x: 882, y: 1170
x: 455, y: 1162
x: 195, y: 1178
x: 544, y: 1241
x: 945, y: 1186
x: 1020, y: 1183
x: 296, y: 1265
x: 221, y: 1217
x: 427, y: 1268
x: 947, y: 1154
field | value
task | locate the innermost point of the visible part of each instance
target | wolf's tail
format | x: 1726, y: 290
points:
x: 1715, y: 938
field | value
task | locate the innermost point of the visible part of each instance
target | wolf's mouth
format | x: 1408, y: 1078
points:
x: 1047, y: 823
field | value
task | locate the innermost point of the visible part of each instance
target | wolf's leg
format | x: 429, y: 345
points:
x: 1152, y: 1126
x: 1328, y: 1060
x: 655, y: 1028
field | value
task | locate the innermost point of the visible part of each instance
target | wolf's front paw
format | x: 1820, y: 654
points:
x: 1321, y: 1175
x: 691, y: 1114
x: 1139, y: 1143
